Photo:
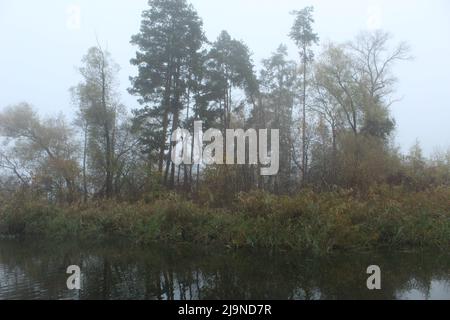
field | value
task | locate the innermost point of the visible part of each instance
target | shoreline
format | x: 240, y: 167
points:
x: 310, y: 222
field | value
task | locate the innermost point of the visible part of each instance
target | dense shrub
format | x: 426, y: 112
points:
x: 308, y: 221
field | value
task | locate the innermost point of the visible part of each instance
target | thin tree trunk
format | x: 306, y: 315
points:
x: 304, y: 162
x: 85, y: 190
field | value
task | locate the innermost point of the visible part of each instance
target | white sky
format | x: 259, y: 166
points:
x: 41, y: 46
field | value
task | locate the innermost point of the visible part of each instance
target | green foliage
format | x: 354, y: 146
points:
x: 302, y: 32
x: 168, y: 55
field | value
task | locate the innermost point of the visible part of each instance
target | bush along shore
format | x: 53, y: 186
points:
x: 315, y: 222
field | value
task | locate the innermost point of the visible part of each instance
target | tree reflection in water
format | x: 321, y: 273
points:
x: 30, y: 270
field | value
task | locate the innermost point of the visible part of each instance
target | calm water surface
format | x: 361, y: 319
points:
x: 33, y: 270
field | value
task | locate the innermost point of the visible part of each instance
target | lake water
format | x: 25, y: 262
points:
x: 34, y: 270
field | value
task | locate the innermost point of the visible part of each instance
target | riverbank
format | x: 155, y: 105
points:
x: 319, y: 223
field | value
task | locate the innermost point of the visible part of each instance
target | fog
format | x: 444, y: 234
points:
x: 42, y: 42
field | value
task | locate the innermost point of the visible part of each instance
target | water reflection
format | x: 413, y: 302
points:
x: 30, y: 270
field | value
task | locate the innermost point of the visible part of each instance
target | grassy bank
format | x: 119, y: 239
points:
x: 315, y: 222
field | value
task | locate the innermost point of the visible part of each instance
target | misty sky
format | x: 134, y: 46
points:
x: 42, y: 43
